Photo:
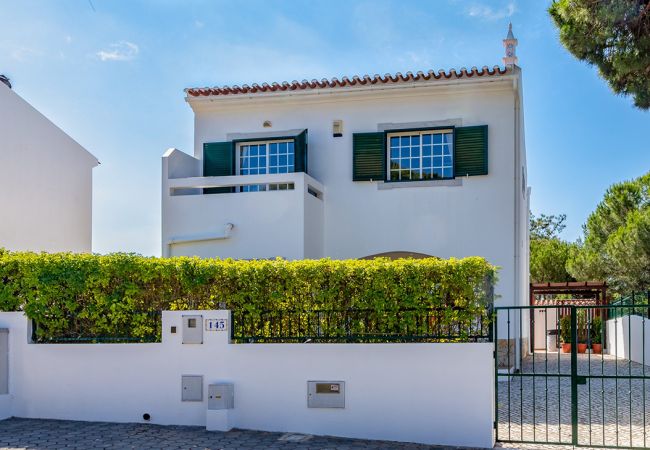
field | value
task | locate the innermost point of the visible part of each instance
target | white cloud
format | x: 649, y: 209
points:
x: 486, y: 12
x: 119, y: 51
x: 24, y: 53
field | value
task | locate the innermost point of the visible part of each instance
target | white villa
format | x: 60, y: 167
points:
x: 429, y: 163
x: 45, y: 181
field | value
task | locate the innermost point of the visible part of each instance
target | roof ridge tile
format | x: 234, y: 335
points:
x: 355, y: 80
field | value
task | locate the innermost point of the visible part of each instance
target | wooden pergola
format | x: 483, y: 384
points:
x: 583, y: 293
x: 580, y: 293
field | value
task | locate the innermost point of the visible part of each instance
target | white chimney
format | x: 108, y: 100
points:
x: 510, y: 45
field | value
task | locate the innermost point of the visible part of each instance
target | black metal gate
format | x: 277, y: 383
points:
x: 588, y: 386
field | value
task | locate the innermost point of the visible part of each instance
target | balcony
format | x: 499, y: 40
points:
x: 258, y: 216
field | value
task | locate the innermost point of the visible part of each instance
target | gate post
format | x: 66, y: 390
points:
x: 491, y: 316
x: 574, y: 376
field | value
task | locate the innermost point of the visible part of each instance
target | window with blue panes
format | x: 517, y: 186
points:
x: 259, y: 158
x: 421, y: 155
x: 281, y: 156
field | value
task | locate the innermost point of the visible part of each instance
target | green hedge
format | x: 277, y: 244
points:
x: 74, y: 295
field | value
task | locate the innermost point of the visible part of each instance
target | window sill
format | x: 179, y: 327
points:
x: 412, y: 184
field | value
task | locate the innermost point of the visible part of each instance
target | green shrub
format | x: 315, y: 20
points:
x: 71, y: 294
x: 581, y: 324
x: 565, y: 329
x: 596, y: 330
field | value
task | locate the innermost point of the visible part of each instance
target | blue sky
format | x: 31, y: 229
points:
x: 111, y: 74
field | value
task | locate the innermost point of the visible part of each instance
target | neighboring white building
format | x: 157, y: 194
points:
x: 431, y: 163
x: 45, y: 182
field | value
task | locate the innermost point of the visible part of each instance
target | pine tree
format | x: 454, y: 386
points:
x: 613, y: 35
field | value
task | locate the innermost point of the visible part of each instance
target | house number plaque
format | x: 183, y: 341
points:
x: 216, y: 324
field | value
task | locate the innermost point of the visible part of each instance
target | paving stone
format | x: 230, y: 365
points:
x: 16, y: 434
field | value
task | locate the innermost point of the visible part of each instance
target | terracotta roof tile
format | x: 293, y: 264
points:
x: 345, y: 81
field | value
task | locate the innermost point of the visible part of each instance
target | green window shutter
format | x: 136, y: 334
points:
x: 368, y: 156
x: 218, y: 160
x: 300, y: 149
x: 471, y: 151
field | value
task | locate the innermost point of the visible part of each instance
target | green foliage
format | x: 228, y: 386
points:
x: 581, y: 325
x: 546, y: 227
x: 548, y: 253
x: 596, y: 330
x: 565, y: 329
x: 612, y: 35
x: 548, y: 260
x: 71, y: 295
x: 616, y: 246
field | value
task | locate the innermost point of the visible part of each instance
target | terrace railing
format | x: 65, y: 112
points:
x: 362, y: 326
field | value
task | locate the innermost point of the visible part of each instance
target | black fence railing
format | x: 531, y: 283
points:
x: 84, y: 331
x: 362, y: 325
x: 452, y: 324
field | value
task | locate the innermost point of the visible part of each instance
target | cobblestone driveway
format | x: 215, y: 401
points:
x: 58, y: 434
x: 614, y: 412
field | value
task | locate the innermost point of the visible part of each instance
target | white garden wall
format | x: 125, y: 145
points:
x: 428, y: 393
x: 625, y: 338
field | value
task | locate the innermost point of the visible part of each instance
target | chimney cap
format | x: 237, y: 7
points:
x: 5, y: 80
x: 510, y: 45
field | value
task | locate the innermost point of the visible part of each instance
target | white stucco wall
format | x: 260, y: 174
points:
x: 484, y: 215
x: 45, y: 182
x: 428, y: 393
x: 314, y: 223
x: 284, y: 223
x: 628, y: 343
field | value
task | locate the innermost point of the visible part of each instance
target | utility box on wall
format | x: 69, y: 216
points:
x: 326, y: 394
x: 193, y: 329
x: 221, y: 396
x: 192, y: 388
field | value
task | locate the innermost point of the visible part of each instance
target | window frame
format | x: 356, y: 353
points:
x: 410, y: 132
x: 267, y: 142
x: 264, y: 187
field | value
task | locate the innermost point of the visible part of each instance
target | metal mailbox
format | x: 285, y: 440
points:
x: 326, y: 394
x: 221, y: 396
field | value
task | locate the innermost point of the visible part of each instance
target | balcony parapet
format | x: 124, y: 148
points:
x: 195, y: 185
x: 239, y: 216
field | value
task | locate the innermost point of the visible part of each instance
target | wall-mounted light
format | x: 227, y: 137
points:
x: 267, y: 124
x: 337, y: 128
